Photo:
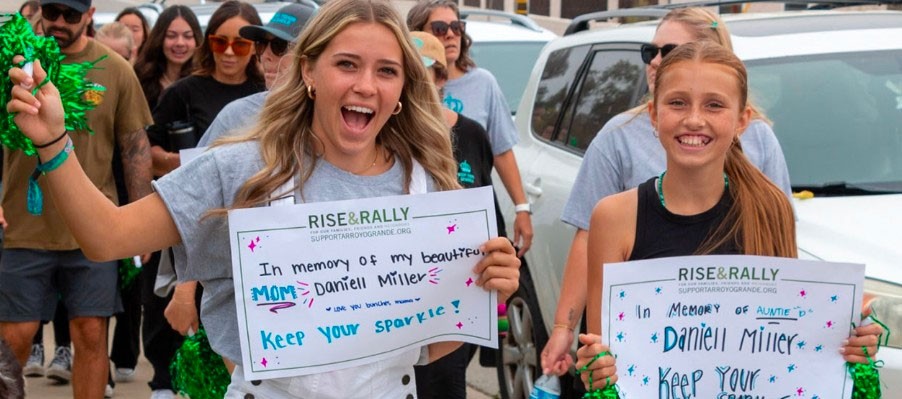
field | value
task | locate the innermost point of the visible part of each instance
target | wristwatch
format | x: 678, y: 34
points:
x: 523, y: 208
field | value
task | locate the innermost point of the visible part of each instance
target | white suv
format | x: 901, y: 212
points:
x: 832, y: 84
x: 507, y: 45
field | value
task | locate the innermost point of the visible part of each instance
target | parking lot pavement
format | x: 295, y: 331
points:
x: 482, y: 382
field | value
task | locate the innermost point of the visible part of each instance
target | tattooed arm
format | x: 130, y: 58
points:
x: 136, y: 164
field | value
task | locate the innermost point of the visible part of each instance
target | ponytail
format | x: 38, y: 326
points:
x: 761, y: 220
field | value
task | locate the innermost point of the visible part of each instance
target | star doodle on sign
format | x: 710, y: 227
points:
x: 622, y: 294
x: 818, y: 348
x: 459, y: 325
x: 791, y: 368
x: 801, y: 344
x: 452, y: 228
x: 469, y: 281
x: 800, y: 391
x: 631, y: 369
x: 645, y: 380
x: 833, y: 298
x: 829, y: 324
x: 253, y: 245
x: 620, y: 336
x: 620, y: 316
x: 802, y: 293
x: 263, y: 362
x: 654, y: 338
x: 657, y: 290
x: 772, y: 379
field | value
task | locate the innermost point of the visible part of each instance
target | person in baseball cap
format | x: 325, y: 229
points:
x: 273, y: 39
x: 273, y: 42
x: 81, y: 6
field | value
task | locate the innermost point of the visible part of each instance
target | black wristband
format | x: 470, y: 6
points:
x: 52, y: 142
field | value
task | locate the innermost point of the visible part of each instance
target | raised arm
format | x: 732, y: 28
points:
x: 104, y: 231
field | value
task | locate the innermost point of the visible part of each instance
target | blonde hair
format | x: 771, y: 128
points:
x: 287, y: 141
x: 760, y: 220
x: 703, y: 25
x: 116, y: 31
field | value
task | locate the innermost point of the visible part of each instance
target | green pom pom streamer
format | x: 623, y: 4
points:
x: 128, y: 272
x: 197, y: 371
x: 866, y: 376
x: 17, y: 38
x: 610, y: 391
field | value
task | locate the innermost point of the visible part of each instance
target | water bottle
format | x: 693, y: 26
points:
x: 548, y: 386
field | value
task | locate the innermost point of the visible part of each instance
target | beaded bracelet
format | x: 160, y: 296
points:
x: 35, y: 197
x: 503, y: 323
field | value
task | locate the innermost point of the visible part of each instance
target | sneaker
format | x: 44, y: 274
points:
x: 60, y: 369
x: 162, y: 394
x: 34, y: 367
x: 108, y: 391
x: 123, y: 374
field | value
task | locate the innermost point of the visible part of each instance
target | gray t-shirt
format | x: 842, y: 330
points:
x: 235, y: 116
x: 477, y: 96
x: 626, y: 153
x: 211, y: 182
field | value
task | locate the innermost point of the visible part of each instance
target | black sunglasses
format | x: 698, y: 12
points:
x: 440, y: 28
x: 70, y: 15
x: 278, y: 46
x: 650, y: 51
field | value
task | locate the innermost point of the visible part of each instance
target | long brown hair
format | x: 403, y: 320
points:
x: 760, y: 220
x: 284, y: 129
x: 204, y: 62
x: 151, y: 64
x: 419, y: 14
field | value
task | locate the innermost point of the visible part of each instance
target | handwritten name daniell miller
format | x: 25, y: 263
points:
x: 727, y: 273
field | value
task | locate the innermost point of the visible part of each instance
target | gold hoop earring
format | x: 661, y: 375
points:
x: 311, y: 92
x: 398, y: 108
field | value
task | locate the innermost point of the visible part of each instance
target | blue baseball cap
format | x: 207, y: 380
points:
x: 286, y: 24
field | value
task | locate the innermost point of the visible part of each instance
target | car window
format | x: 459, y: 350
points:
x: 511, y: 63
x: 561, y: 69
x: 838, y: 116
x: 612, y: 82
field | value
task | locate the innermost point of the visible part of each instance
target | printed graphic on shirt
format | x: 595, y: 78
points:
x: 465, y: 173
x: 454, y: 104
x: 94, y: 94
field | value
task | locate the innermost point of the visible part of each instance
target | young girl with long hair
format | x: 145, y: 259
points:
x: 709, y: 200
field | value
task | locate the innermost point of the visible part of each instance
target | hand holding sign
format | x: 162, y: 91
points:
x: 325, y: 286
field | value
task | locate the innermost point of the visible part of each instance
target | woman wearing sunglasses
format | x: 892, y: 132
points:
x: 474, y: 93
x: 225, y: 70
x: 625, y: 153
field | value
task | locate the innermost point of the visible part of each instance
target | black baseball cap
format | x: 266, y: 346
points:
x: 77, y: 5
x: 286, y: 24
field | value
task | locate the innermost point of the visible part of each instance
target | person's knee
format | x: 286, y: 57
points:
x: 19, y: 335
x: 89, y: 334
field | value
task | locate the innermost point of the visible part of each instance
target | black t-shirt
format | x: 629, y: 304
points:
x: 475, y: 161
x: 661, y: 233
x: 193, y: 101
